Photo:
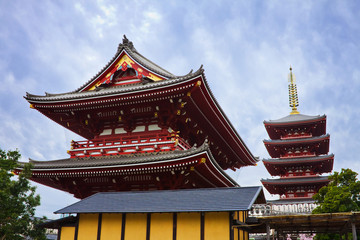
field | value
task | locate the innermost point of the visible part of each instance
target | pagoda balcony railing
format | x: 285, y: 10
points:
x: 127, y: 145
x: 296, y: 136
x: 298, y: 154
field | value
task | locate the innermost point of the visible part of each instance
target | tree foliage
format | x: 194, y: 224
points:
x: 17, y: 200
x: 340, y: 195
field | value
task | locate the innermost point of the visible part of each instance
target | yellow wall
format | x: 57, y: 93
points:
x: 246, y: 234
x: 236, y: 231
x: 188, y: 226
x: 240, y: 234
x: 161, y: 226
x: 241, y: 218
x: 111, y: 226
x: 88, y: 226
x: 67, y: 233
x: 217, y: 226
x: 135, y: 226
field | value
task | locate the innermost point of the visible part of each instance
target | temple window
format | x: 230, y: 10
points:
x: 123, y: 75
x: 139, y: 129
x: 153, y: 127
x: 106, y: 132
x: 119, y: 130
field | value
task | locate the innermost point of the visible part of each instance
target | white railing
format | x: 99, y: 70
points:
x: 270, y: 209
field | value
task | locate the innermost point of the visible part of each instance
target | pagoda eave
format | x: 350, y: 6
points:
x: 83, y: 179
x: 279, y: 186
x: 297, y: 141
x: 318, y: 165
x: 295, y: 180
x: 316, y: 145
x: 318, y: 125
x: 295, y: 119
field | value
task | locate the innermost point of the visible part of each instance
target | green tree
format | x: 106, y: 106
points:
x: 17, y: 200
x: 340, y: 195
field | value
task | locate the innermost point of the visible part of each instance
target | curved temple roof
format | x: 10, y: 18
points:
x: 280, y: 161
x: 319, y: 144
x: 195, y: 164
x: 316, y: 125
x: 295, y: 119
x: 295, y: 180
x: 319, y: 164
x: 115, y: 160
x: 278, y: 186
x: 125, y: 48
x: 297, y: 140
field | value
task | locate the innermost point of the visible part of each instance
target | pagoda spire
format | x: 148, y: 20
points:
x: 293, y: 95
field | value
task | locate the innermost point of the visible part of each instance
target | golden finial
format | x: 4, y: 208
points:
x: 293, y: 96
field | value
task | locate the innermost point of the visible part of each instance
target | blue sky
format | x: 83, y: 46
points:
x: 246, y: 48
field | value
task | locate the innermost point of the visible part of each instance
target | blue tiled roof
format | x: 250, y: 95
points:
x: 190, y: 200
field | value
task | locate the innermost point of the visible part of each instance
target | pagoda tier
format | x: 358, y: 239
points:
x: 155, y: 140
x: 295, y: 126
x: 298, y: 147
x: 141, y: 126
x: 299, y: 166
x: 295, y: 188
x: 192, y: 168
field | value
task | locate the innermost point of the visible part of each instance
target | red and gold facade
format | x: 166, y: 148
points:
x: 143, y: 128
x: 298, y: 147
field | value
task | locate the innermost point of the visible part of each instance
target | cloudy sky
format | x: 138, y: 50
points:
x: 246, y: 48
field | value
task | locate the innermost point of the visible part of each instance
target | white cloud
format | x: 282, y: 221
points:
x: 153, y: 15
x: 79, y: 7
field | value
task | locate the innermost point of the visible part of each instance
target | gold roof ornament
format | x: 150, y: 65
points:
x: 293, y: 95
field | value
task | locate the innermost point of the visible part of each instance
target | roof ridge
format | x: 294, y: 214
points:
x: 118, y: 89
x: 160, y: 156
x: 128, y: 46
x: 300, y: 158
x: 296, y: 139
x: 147, y: 66
x: 296, y: 178
x: 182, y: 190
x: 294, y: 118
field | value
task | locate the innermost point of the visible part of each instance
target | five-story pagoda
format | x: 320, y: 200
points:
x: 298, y: 147
x: 144, y: 129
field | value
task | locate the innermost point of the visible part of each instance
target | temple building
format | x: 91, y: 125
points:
x: 208, y: 213
x: 298, y: 148
x: 146, y: 133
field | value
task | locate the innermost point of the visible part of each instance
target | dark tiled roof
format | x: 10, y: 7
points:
x: 116, y: 159
x: 128, y: 46
x: 300, y: 159
x: 295, y: 118
x: 149, y: 64
x: 296, y: 140
x: 193, y: 200
x: 295, y: 180
x: 58, y: 223
x: 116, y: 90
